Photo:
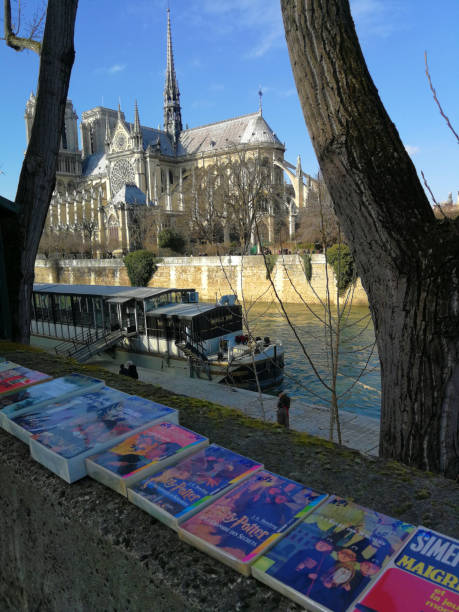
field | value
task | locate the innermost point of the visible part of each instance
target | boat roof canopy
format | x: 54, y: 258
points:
x: 183, y: 311
x: 107, y: 291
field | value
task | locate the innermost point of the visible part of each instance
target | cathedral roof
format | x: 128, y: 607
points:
x: 155, y: 138
x: 248, y: 129
x: 94, y: 164
x: 130, y: 194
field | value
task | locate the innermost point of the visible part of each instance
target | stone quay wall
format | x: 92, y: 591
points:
x: 212, y: 277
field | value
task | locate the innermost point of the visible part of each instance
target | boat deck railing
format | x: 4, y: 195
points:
x: 90, y: 342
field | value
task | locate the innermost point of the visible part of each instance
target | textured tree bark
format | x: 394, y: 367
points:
x: 37, y: 179
x: 407, y: 260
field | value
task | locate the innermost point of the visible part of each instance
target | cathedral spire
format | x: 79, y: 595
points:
x: 136, y: 131
x: 172, y: 110
x: 136, y: 119
x: 107, y: 136
x: 299, y: 170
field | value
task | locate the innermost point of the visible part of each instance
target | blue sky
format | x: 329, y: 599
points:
x: 224, y: 50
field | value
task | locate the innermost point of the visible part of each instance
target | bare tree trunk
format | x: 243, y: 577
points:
x: 407, y: 260
x: 37, y: 179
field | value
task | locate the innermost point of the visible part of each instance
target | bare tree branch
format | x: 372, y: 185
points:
x: 434, y: 93
x: 16, y: 42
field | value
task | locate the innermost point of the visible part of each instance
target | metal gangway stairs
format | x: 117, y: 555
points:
x: 90, y: 342
x: 196, y: 355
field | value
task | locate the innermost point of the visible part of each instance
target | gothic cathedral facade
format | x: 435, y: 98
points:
x: 123, y: 168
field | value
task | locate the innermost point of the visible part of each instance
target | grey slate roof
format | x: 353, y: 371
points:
x: 95, y: 164
x: 152, y: 137
x: 247, y: 129
x: 130, y: 194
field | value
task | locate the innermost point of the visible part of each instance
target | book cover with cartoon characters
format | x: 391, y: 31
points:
x: 245, y: 522
x: 36, y: 420
x: 424, y: 576
x: 143, y: 454
x: 327, y: 560
x: 181, y: 490
x: 19, y: 377
x: 58, y: 389
x: 92, y: 428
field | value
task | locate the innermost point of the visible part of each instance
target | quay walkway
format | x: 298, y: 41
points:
x: 358, y: 431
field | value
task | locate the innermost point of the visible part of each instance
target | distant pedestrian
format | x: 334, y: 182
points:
x: 132, y: 370
x: 123, y: 370
x: 283, y: 407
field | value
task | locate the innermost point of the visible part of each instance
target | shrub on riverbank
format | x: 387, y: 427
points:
x: 140, y: 266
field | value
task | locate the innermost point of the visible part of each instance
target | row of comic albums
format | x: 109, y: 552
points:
x: 322, y: 551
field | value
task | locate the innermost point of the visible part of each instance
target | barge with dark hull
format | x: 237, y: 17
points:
x: 165, y: 322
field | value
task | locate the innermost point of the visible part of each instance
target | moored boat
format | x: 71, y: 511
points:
x: 166, y: 322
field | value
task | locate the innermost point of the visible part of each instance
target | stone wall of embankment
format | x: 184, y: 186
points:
x: 211, y: 276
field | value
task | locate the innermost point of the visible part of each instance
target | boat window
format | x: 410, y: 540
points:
x: 43, y: 310
x: 81, y: 310
x: 172, y: 297
x: 140, y: 317
x: 218, y: 322
x: 62, y: 309
x: 159, y: 327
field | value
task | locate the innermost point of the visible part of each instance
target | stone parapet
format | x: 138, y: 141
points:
x: 211, y: 276
x: 83, y: 547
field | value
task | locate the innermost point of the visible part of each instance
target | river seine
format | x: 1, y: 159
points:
x: 358, y: 380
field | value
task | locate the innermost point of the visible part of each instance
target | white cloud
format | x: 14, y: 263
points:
x: 260, y: 21
x: 411, y: 150
x: 116, y: 68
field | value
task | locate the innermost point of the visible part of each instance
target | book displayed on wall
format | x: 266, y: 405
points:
x: 6, y: 365
x: 36, y: 420
x: 242, y: 524
x: 92, y: 429
x: 329, y: 558
x: 19, y: 377
x: 58, y: 389
x: 424, y: 576
x: 179, y: 491
x: 143, y: 454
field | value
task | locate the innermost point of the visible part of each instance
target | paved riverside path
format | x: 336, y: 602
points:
x: 357, y: 431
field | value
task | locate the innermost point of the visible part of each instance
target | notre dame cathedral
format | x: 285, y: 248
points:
x: 122, y: 166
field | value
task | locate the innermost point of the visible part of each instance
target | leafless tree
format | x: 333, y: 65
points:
x: 408, y: 260
x: 338, y: 331
x: 226, y: 198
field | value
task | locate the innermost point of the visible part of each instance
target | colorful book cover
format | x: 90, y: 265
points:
x: 19, y: 377
x: 47, y: 392
x: 327, y: 561
x: 143, y: 454
x: 423, y: 577
x: 192, y: 483
x: 92, y: 429
x: 7, y: 365
x: 245, y: 522
x: 37, y: 420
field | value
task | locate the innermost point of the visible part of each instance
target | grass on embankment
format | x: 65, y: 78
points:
x: 384, y: 485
